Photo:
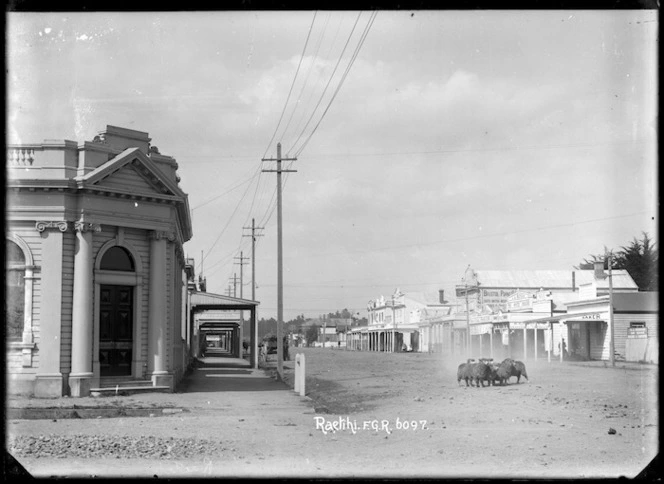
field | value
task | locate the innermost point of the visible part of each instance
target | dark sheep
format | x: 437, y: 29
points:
x: 504, y: 371
x: 493, y: 368
x: 519, y: 370
x: 481, y: 372
x: 464, y: 372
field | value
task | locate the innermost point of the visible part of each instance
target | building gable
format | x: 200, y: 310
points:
x: 131, y: 172
x: 129, y: 178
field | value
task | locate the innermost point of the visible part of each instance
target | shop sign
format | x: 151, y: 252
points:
x: 591, y: 316
x: 501, y: 326
x: 495, y: 298
x: 517, y: 325
x: 492, y: 318
x: 637, y: 333
x: 520, y: 304
x: 519, y: 300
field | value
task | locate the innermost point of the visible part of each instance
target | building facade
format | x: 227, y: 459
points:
x: 526, y: 314
x: 95, y: 266
x: 394, y: 322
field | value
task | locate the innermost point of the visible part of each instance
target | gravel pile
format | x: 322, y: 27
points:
x: 110, y: 446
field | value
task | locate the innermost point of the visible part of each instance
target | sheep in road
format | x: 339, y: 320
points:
x: 519, y: 370
x: 464, y: 372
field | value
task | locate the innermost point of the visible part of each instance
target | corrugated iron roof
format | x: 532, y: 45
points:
x: 426, y: 298
x: 208, y: 298
x: 550, y: 279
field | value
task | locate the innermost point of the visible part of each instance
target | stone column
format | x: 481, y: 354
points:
x: 80, y: 378
x: 49, y: 379
x: 157, y: 317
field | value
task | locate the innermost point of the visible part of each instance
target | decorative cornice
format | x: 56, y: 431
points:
x: 86, y: 227
x: 60, y: 225
x: 179, y: 252
x: 159, y: 234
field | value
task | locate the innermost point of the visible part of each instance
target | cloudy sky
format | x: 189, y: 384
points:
x: 502, y: 139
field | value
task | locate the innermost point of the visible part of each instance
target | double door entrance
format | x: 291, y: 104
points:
x: 579, y: 341
x: 116, y: 328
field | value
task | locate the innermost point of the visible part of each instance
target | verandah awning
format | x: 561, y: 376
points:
x: 566, y: 317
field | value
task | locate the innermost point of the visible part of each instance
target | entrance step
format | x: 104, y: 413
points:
x: 113, y: 385
x: 130, y: 390
x: 108, y: 382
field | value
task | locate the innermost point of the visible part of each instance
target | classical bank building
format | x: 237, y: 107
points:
x: 95, y: 278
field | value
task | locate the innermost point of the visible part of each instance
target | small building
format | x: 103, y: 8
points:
x: 394, y: 322
x: 95, y: 280
x: 514, y: 313
x: 635, y: 327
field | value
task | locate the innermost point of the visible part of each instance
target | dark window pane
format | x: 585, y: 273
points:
x: 14, y: 254
x: 14, y: 316
x: 117, y: 259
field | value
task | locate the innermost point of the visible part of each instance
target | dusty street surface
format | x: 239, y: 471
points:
x: 244, y: 424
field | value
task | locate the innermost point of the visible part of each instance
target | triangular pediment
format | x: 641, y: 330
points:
x: 131, y: 172
x: 128, y: 178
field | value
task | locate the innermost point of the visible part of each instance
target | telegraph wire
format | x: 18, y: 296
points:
x: 226, y: 192
x: 329, y: 81
x: 433, y: 152
x: 292, y: 84
x: 474, y: 237
x: 343, y: 78
x: 228, y: 222
x: 306, y: 79
x: 302, y: 117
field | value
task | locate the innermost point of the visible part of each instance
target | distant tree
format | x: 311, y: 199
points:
x: 311, y: 334
x: 590, y: 264
x: 641, y: 260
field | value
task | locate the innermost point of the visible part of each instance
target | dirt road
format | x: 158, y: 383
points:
x: 556, y: 423
x: 396, y: 415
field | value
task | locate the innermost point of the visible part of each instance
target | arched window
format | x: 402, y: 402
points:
x: 117, y: 259
x: 15, y: 288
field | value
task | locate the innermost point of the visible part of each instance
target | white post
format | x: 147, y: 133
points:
x: 525, y: 342
x: 296, y: 383
x: 300, y: 376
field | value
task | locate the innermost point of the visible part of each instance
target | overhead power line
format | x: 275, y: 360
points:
x: 341, y: 82
x: 291, y: 88
x: 329, y: 81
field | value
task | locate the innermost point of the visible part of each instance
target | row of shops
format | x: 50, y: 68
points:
x: 550, y: 322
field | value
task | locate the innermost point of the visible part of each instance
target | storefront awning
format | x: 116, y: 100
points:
x: 567, y: 317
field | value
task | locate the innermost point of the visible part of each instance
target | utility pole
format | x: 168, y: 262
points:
x: 612, y: 343
x: 254, y: 324
x: 242, y: 259
x: 234, y: 279
x: 465, y: 283
x: 253, y: 255
x: 280, y: 275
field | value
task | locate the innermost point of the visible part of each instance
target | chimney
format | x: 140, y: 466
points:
x: 599, y: 269
x: 441, y: 296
